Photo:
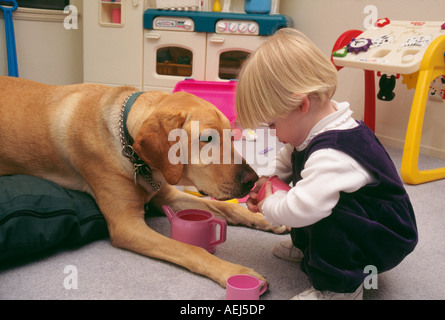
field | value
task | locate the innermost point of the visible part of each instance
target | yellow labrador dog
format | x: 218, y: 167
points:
x: 81, y: 137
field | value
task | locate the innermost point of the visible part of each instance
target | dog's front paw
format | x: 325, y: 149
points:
x: 280, y: 229
x: 260, y: 223
x: 274, y: 229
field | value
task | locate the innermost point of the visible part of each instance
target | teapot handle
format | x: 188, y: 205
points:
x: 222, y: 232
x: 264, y: 288
x: 169, y: 212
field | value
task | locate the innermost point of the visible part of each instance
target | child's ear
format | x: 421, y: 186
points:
x: 305, y: 105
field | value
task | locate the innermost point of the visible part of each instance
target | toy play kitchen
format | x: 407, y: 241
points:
x: 204, y: 45
x: 413, y: 50
x: 164, y: 42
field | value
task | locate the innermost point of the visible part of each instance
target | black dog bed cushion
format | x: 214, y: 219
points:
x: 37, y: 215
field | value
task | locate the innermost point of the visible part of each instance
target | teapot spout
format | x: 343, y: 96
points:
x: 169, y: 213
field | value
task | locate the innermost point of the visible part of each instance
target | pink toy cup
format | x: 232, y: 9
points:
x: 277, y: 184
x: 244, y: 287
x: 196, y: 227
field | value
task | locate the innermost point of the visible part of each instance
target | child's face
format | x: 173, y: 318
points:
x: 292, y: 128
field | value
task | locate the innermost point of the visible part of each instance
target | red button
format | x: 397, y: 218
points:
x: 383, y: 22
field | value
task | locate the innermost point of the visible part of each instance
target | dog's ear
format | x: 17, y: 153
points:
x: 152, y: 145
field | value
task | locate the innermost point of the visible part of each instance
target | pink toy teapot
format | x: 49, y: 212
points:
x: 196, y: 227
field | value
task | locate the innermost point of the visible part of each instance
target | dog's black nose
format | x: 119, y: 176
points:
x: 249, y: 176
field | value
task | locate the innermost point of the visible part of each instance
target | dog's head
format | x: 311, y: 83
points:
x: 189, y: 140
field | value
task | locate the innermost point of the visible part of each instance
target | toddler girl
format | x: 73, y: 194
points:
x: 348, y: 207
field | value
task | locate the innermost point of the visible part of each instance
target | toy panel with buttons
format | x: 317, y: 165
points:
x: 237, y: 27
x: 390, y: 46
x: 173, y: 24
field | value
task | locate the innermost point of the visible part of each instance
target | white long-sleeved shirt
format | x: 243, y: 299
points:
x: 326, y: 173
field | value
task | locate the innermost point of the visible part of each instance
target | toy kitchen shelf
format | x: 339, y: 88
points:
x: 413, y: 49
x: 112, y: 13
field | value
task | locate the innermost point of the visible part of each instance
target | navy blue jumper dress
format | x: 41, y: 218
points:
x: 373, y: 226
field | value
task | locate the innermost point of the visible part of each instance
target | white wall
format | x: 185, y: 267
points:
x: 325, y: 20
x: 46, y: 51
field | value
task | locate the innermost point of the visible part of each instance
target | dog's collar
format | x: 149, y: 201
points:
x: 140, y: 167
x: 128, y: 103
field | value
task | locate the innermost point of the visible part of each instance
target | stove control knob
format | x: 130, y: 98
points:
x: 221, y: 26
x: 242, y: 27
x: 252, y: 28
x: 233, y: 27
x: 188, y: 25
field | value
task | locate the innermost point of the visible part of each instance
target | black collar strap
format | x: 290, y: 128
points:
x: 127, y: 109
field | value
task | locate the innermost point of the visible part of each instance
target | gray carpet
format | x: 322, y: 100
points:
x: 105, y: 272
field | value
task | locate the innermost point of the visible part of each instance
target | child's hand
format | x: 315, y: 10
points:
x: 251, y: 202
x: 268, y: 192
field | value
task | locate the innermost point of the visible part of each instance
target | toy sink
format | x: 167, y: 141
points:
x: 221, y: 94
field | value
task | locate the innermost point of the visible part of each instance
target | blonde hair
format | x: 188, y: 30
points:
x: 277, y: 76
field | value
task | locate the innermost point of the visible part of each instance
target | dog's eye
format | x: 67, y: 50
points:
x: 205, y: 138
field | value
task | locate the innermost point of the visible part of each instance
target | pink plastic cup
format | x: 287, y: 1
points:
x: 244, y: 287
x: 277, y: 184
x: 197, y: 227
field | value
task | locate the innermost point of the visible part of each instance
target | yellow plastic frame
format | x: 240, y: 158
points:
x: 431, y: 67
